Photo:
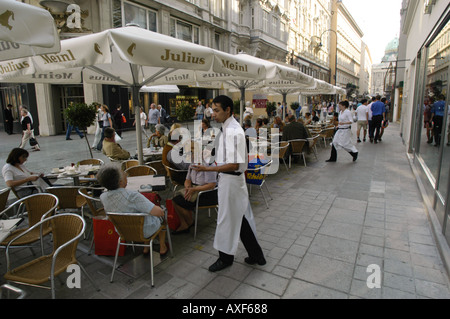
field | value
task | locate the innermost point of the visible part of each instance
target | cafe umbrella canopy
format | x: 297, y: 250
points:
x: 121, y: 56
x: 26, y: 30
x: 277, y: 75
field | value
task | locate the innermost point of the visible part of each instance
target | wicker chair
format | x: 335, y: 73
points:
x: 297, y: 148
x: 140, y: 170
x: 95, y: 206
x: 197, y: 208
x: 281, y: 148
x: 326, y: 134
x: 4, y: 194
x: 158, y: 166
x: 129, y: 163
x: 67, y: 230
x: 69, y: 199
x: 130, y: 229
x: 312, y: 144
x: 91, y: 161
x: 176, y: 176
x: 38, y: 207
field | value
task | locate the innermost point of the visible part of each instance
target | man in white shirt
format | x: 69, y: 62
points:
x: 235, y: 216
x: 362, y: 115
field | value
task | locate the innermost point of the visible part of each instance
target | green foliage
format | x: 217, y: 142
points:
x: 81, y: 115
x: 271, y: 107
x: 185, y: 112
x: 295, y: 105
x: 237, y: 107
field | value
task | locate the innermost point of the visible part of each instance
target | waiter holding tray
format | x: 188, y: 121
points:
x: 235, y: 216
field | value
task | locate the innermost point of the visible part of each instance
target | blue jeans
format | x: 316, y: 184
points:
x: 69, y: 130
x: 200, y: 117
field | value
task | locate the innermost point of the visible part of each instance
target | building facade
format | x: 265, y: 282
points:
x: 425, y: 54
x: 302, y: 33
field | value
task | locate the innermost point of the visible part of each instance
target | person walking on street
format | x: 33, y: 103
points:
x: 362, y: 115
x: 235, y: 215
x: 437, y: 116
x: 343, y: 136
x: 162, y: 115
x: 199, y: 111
x: 106, y: 122
x: 27, y: 130
x: 9, y: 120
x: 378, y: 116
x: 118, y: 118
x: 154, y: 117
x: 98, y: 126
x: 70, y: 127
x: 208, y: 112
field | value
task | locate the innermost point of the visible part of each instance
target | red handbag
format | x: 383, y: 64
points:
x: 172, y: 217
x: 105, y: 238
x: 153, y: 197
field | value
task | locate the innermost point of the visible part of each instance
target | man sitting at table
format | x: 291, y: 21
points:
x: 118, y: 199
x: 111, y: 148
x: 293, y: 131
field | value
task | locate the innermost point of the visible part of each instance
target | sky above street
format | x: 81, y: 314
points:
x: 379, y: 20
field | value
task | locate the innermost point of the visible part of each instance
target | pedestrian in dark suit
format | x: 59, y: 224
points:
x: 9, y: 120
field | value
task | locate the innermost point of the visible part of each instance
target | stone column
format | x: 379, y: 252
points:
x: 44, y: 101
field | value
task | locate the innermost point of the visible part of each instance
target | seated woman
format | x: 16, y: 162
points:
x: 118, y: 199
x: 158, y: 138
x: 184, y: 200
x: 170, y: 150
x: 17, y: 176
x: 308, y: 119
x: 205, y: 126
x: 278, y: 123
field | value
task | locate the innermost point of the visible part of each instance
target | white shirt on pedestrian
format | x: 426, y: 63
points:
x: 361, y: 112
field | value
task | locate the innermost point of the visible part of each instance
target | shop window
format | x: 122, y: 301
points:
x: 125, y: 13
x: 184, y: 31
x: 433, y: 103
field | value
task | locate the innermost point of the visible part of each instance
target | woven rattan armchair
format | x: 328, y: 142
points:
x: 197, y: 208
x: 68, y: 196
x: 281, y: 148
x: 37, y: 207
x: 176, y: 176
x: 297, y: 148
x: 313, y: 144
x: 130, y: 228
x: 129, y: 163
x: 91, y: 161
x: 327, y: 134
x: 140, y: 170
x: 4, y: 194
x: 67, y: 230
x: 94, y: 204
x: 158, y: 166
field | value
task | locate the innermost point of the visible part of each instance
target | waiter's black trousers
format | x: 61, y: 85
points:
x: 250, y: 242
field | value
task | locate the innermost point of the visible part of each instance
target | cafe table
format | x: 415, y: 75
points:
x: 75, y: 173
x: 142, y: 183
x: 7, y: 226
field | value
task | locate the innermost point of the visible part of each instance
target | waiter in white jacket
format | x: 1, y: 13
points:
x: 235, y: 216
x: 343, y: 137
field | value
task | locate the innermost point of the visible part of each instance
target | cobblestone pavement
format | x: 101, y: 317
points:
x: 327, y: 223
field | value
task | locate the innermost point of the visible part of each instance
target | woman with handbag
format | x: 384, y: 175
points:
x: 27, y: 131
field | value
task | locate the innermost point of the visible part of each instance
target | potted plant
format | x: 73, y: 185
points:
x: 185, y: 112
x: 271, y: 107
x: 82, y: 116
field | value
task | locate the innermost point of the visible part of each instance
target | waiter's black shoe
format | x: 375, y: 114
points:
x: 218, y: 265
x: 330, y: 160
x: 251, y: 261
x: 354, y: 155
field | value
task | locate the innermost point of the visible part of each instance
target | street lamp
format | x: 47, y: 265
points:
x: 320, y: 45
